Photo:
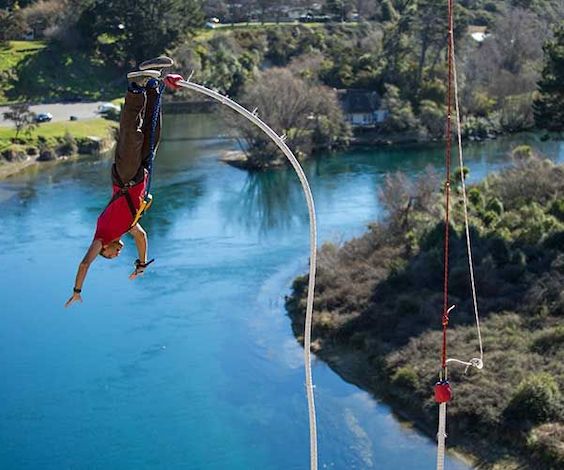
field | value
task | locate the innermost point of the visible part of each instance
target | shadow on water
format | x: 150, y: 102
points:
x: 270, y: 201
x: 174, y: 199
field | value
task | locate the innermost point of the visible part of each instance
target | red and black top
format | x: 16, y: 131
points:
x: 117, y: 217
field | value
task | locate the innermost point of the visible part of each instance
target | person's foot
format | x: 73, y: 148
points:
x: 157, y: 63
x: 139, y: 79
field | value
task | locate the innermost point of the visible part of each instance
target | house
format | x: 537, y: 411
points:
x: 478, y: 33
x: 362, y: 108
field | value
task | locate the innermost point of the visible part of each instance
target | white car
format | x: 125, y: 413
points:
x: 108, y: 107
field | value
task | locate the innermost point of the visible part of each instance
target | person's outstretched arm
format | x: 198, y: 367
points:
x: 93, y: 251
x: 140, y: 237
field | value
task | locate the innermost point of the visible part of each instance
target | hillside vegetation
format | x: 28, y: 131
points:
x: 379, y: 299
x: 40, y: 72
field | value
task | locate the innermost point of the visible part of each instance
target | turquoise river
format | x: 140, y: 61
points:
x: 193, y: 366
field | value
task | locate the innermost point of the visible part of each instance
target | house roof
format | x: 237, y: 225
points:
x: 477, y: 29
x: 359, y: 101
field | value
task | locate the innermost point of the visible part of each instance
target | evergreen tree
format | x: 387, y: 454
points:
x: 549, y: 105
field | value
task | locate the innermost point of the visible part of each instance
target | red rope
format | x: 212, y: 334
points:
x: 448, y: 153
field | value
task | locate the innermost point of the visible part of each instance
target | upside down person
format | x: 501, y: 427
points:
x: 129, y: 171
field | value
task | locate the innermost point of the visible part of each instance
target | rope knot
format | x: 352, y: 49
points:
x: 446, y: 315
x: 477, y: 363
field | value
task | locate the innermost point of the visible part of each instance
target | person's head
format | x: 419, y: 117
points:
x: 112, y: 249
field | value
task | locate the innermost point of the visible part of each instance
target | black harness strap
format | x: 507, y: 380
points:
x: 124, y: 191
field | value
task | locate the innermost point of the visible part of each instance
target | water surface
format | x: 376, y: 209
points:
x: 193, y: 366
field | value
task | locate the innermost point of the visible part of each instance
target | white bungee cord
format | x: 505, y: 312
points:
x: 279, y: 141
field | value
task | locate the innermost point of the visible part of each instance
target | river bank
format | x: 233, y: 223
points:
x: 53, y: 142
x: 377, y: 297
x: 26, y: 162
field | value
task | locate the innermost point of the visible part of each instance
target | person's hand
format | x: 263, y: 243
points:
x: 137, y: 272
x: 139, y: 268
x: 75, y: 298
x: 171, y: 81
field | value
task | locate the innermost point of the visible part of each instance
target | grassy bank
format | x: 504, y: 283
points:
x: 379, y: 297
x: 97, y: 127
x: 53, y: 141
x: 52, y: 132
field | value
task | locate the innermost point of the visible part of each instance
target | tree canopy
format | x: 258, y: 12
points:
x: 126, y: 31
x: 549, y: 105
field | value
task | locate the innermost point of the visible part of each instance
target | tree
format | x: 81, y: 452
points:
x: 366, y: 9
x: 43, y: 15
x: 265, y: 6
x: 339, y: 8
x: 12, y: 25
x: 22, y: 117
x: 125, y: 31
x: 431, y: 28
x: 215, y: 8
x: 307, y: 113
x: 400, y: 114
x: 549, y: 105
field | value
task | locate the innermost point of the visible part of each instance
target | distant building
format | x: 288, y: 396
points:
x: 295, y: 13
x: 478, y: 33
x: 362, y: 108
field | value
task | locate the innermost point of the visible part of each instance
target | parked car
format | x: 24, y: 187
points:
x: 108, y: 108
x: 43, y: 117
x: 212, y: 23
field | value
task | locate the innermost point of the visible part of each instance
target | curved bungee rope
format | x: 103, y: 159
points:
x: 280, y: 142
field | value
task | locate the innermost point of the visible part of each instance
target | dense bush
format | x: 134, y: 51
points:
x: 536, y: 400
x: 545, y: 441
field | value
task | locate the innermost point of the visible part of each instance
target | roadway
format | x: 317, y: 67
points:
x: 60, y: 111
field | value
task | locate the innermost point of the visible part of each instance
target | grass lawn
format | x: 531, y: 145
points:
x: 96, y: 127
x: 37, y: 71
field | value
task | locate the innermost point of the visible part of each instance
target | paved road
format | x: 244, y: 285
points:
x: 60, y: 111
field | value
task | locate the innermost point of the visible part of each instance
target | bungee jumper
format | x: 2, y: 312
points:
x: 139, y: 135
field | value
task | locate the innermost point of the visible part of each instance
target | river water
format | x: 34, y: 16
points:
x: 193, y: 366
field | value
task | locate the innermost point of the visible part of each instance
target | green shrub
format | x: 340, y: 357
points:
x: 490, y: 218
x: 522, y: 152
x: 464, y: 171
x: 545, y: 442
x: 536, y: 400
x: 557, y: 209
x: 549, y: 341
x: 475, y: 197
x: 495, y: 205
x: 406, y: 377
